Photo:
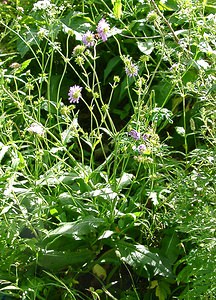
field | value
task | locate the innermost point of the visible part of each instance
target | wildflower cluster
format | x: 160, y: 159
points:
x: 88, y: 40
x: 43, y: 32
x: 131, y: 69
x: 144, y: 144
x: 142, y: 147
x: 42, y: 5
x: 103, y: 29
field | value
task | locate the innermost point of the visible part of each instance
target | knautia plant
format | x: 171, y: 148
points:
x: 107, y: 150
x: 74, y: 94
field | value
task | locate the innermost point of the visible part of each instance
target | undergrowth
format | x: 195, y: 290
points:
x: 107, y: 149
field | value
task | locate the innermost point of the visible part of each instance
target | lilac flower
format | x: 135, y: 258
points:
x: 141, y: 148
x: 102, y: 29
x: 134, y: 134
x: 131, y: 69
x: 88, y: 39
x: 145, y: 136
x: 74, y: 94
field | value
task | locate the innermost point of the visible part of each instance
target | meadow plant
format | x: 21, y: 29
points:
x: 107, y: 150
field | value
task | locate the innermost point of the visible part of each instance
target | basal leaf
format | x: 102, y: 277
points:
x: 57, y: 260
x: 141, y: 259
x: 78, y: 229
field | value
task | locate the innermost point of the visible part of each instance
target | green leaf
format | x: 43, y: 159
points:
x: 141, y: 259
x: 78, y: 229
x: 110, y: 66
x: 105, y: 193
x: 106, y: 234
x: 9, y: 287
x: 117, y: 9
x: 30, y: 40
x: 78, y: 22
x: 168, y: 5
x: 24, y: 65
x: 6, y: 209
x: 169, y: 246
x: 57, y: 260
x: 3, y: 151
x: 99, y: 271
x: 146, y: 47
x: 67, y: 135
x: 162, y: 290
x: 124, y: 180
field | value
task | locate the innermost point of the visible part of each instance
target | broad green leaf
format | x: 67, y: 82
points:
x: 3, y: 151
x: 160, y: 293
x: 78, y: 23
x: 124, y: 180
x: 146, y: 47
x: 169, y: 246
x: 49, y: 106
x: 78, y: 229
x: 106, y: 234
x: 141, y: 259
x: 57, y: 260
x: 6, y: 209
x: 68, y: 134
x: 190, y: 76
x: 168, y: 5
x: 30, y: 40
x: 56, y: 175
x: 106, y: 193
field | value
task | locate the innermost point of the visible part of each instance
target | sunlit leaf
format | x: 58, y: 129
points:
x: 78, y: 229
x: 146, y: 47
x: 117, y: 9
x: 141, y: 259
x: 124, y: 180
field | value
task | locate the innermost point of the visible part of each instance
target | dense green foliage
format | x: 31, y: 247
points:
x: 107, y: 149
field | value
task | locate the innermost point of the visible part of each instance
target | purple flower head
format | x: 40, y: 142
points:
x: 134, y: 134
x: 88, y: 39
x: 74, y: 94
x: 102, y: 29
x: 131, y: 69
x: 145, y: 136
x: 141, y: 148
